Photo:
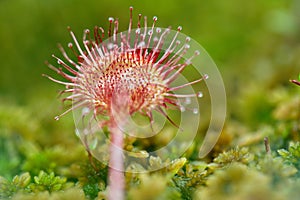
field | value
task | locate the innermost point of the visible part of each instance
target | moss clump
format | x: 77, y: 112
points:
x: 191, y: 176
x: 292, y: 155
x: 48, y: 182
x: 157, y: 183
x: 234, y: 155
x: 92, y: 177
x: 7, y: 189
x: 26, y: 185
x: 237, y: 182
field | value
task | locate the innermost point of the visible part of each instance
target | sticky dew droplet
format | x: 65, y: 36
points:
x: 77, y: 132
x: 199, y: 94
x: 110, y: 46
x: 195, y: 111
x: 150, y: 32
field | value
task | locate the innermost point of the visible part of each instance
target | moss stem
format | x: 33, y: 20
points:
x: 267, y: 145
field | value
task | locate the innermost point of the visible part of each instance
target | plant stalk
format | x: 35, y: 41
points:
x: 116, y: 164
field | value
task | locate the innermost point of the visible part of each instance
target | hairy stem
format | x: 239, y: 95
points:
x: 116, y: 167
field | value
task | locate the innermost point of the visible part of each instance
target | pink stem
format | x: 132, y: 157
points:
x: 296, y: 82
x: 116, y: 164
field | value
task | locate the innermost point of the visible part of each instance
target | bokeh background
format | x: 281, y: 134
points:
x: 255, y: 44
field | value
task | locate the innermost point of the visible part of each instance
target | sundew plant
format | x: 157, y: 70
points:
x: 118, y: 74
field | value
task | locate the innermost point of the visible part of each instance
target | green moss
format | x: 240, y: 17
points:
x: 63, y: 171
x: 191, y: 176
x: 93, y: 180
x: 71, y: 193
x: 234, y: 155
x: 48, y: 182
x: 276, y: 169
x: 22, y: 181
x: 38, y: 186
x: 237, y: 182
x: 7, y: 189
x: 55, y: 159
x: 292, y: 155
x: 153, y: 187
x: 10, y: 159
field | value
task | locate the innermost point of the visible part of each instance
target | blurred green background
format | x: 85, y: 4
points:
x: 256, y: 45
